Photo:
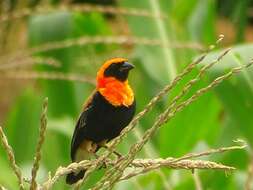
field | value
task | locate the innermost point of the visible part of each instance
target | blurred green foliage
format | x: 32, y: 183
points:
x: 215, y: 120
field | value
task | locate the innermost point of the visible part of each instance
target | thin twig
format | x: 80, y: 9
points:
x: 212, y: 151
x: 37, y: 158
x: 47, y: 76
x: 28, y: 61
x: 84, y: 40
x: 153, y: 164
x: 78, y: 8
x: 11, y: 157
x: 62, y: 171
x: 149, y: 164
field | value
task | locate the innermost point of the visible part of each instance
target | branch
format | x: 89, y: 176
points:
x: 11, y: 158
x: 37, y: 158
x: 145, y: 165
x: 62, y: 171
x: 150, y: 165
x: 212, y: 151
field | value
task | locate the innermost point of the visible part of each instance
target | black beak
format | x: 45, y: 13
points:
x: 126, y: 66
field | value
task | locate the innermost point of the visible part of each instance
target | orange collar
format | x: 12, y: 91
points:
x: 116, y: 92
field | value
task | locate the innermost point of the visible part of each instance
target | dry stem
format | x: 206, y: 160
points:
x: 153, y: 164
x: 11, y: 157
x: 79, y: 8
x: 145, y: 165
x: 37, y: 158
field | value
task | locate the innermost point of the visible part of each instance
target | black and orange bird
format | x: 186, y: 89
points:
x: 106, y: 112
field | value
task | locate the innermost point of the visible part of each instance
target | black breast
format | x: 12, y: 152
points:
x: 105, y: 121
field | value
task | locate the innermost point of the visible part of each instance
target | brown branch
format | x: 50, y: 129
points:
x: 37, y: 158
x: 11, y: 158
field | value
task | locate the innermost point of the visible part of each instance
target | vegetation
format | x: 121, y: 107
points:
x: 193, y: 86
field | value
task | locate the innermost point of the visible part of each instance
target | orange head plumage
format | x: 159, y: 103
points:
x: 112, y: 82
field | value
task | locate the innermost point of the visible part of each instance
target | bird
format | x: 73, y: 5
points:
x: 108, y: 110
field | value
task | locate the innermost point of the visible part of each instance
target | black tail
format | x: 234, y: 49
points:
x: 73, y: 178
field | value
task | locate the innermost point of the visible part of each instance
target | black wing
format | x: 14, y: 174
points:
x: 78, y: 135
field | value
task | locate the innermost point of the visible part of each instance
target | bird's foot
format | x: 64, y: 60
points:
x: 92, y: 147
x: 119, y: 156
